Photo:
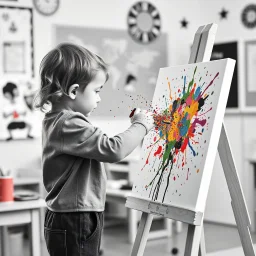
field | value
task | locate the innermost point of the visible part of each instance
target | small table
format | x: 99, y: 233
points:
x: 15, y: 213
x: 120, y: 196
x: 22, y: 183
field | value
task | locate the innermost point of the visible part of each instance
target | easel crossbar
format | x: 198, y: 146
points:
x: 167, y: 211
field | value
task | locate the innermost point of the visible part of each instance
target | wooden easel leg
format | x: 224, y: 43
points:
x: 132, y: 225
x: 201, y: 51
x: 193, y: 240
x: 236, y: 193
x: 202, y: 250
x: 244, y: 232
x: 142, y: 234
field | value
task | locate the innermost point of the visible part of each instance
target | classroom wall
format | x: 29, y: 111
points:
x: 112, y: 14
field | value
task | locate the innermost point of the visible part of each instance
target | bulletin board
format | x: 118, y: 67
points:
x: 18, y: 119
x: 16, y: 41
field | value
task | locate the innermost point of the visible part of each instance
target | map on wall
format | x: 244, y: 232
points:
x: 133, y: 67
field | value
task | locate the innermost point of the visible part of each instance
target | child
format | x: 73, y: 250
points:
x: 73, y: 149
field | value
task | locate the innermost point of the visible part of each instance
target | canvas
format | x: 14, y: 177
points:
x: 178, y: 155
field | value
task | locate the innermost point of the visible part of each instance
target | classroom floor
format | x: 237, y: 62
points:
x: 217, y: 237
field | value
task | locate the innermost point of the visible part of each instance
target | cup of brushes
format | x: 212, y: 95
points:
x: 6, y: 187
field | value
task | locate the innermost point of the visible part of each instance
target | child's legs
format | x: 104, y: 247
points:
x: 76, y: 233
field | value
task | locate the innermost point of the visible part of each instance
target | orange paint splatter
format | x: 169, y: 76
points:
x: 169, y: 85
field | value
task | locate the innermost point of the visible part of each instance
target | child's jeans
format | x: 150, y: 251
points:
x: 74, y: 233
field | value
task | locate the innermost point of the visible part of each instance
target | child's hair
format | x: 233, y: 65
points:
x: 63, y: 66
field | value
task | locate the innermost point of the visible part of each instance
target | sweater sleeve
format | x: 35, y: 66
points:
x: 80, y: 138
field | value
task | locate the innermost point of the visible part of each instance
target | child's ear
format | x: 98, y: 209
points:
x: 73, y: 90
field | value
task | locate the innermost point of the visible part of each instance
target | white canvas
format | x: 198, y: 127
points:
x: 189, y: 105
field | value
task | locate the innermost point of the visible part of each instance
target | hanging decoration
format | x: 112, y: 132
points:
x: 144, y: 23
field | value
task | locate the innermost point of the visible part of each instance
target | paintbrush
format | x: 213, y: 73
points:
x: 132, y: 113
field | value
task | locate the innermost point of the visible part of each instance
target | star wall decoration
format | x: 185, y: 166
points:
x: 223, y: 14
x: 184, y: 23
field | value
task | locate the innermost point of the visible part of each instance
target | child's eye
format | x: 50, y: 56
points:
x: 97, y: 91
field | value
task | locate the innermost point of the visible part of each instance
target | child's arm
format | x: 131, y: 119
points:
x: 81, y: 139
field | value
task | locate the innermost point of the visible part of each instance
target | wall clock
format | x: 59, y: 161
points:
x: 249, y: 16
x: 144, y: 22
x: 46, y: 7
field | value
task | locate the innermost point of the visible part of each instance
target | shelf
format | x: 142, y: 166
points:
x: 119, y: 168
x: 25, y: 181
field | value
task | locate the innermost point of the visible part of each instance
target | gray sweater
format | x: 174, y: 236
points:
x: 73, y: 152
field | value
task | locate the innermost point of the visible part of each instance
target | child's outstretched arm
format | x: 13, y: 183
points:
x: 142, y: 117
x: 80, y: 138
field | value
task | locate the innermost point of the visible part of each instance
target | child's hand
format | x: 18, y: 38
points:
x: 143, y: 117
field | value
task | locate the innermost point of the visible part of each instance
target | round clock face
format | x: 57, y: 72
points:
x: 46, y: 7
x: 144, y: 22
x: 249, y: 16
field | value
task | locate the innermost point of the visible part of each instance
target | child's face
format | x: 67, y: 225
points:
x: 87, y: 100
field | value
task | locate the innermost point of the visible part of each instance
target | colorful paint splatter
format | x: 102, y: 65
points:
x: 177, y: 158
x: 176, y: 127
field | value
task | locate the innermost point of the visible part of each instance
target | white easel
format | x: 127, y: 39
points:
x: 195, y: 243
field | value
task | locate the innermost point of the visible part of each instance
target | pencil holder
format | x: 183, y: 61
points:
x: 6, y: 188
